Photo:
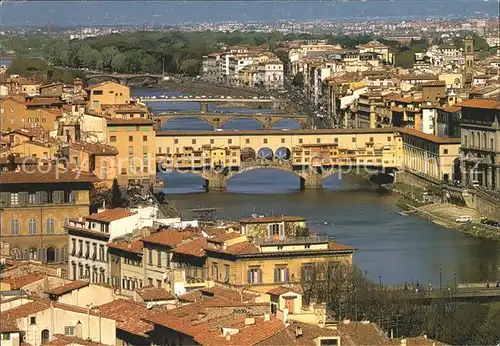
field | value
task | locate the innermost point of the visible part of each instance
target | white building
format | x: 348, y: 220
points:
x: 88, y: 238
x: 271, y: 74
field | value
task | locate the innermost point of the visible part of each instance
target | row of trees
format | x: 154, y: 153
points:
x: 350, y: 295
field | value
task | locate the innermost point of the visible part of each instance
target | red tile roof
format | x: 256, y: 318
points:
x: 42, y: 174
x: 128, y: 315
x: 194, y: 247
x: 451, y: 109
x: 170, y: 238
x: 267, y: 219
x: 220, y: 238
x: 24, y: 310
x: 19, y: 282
x: 110, y: 215
x: 334, y: 246
x: 60, y: 290
x: 151, y: 294
x: 279, y: 290
x: 8, y: 326
x: 435, y: 83
x: 62, y: 340
x: 429, y: 137
x: 134, y: 247
x: 481, y: 103
x: 94, y: 148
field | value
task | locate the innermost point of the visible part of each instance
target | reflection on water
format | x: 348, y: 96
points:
x: 396, y: 248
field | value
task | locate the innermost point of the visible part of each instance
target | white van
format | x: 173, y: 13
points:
x: 464, y: 219
x: 475, y: 183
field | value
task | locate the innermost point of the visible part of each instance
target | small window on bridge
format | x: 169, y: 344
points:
x: 247, y: 141
x: 354, y: 139
x: 97, y: 92
x: 212, y: 141
x: 318, y: 140
x: 300, y: 140
x: 265, y: 140
x: 282, y: 140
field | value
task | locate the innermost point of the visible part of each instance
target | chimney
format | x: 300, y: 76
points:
x: 298, y: 332
x: 249, y: 321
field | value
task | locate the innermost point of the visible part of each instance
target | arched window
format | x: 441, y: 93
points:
x: 51, y: 254
x: 50, y: 225
x: 33, y: 254
x: 485, y: 141
x: 478, y: 139
x: 473, y: 140
x: 32, y: 226
x: 14, y: 227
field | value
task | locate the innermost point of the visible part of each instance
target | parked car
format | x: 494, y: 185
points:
x: 464, y: 219
x: 475, y: 183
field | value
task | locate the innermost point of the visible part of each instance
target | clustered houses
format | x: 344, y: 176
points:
x: 447, y: 94
x: 252, y: 292
x: 244, y: 66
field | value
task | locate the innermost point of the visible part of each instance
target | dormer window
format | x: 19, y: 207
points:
x: 276, y: 231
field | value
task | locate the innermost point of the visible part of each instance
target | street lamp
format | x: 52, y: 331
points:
x: 455, y: 279
x: 440, y: 278
x: 380, y: 280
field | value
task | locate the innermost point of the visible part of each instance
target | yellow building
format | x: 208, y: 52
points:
x: 37, y: 202
x: 269, y: 252
x: 35, y: 149
x: 368, y: 147
x: 19, y: 112
x: 135, y: 141
x: 107, y: 93
x: 431, y: 157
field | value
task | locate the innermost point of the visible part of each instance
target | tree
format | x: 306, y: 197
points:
x: 298, y: 79
x: 119, y: 63
x: 116, y: 195
x: 191, y: 67
x: 108, y: 53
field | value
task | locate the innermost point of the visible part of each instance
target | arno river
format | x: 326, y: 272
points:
x: 395, y: 248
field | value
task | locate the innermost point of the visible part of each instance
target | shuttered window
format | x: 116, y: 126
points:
x: 50, y: 226
x: 254, y: 275
x: 280, y: 274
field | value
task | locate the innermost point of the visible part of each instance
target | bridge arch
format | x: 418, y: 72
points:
x: 225, y: 120
x: 283, y: 153
x: 266, y: 154
x: 163, y: 120
x: 248, y: 154
x: 302, y: 122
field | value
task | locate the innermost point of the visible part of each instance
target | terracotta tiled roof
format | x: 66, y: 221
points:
x: 334, y: 246
x: 241, y: 248
x: 8, y: 325
x: 46, y: 175
x: 194, y: 247
x: 134, y: 247
x: 19, y: 282
x: 226, y: 293
x: 207, y: 335
x: 435, y: 83
x: 60, y: 290
x: 451, y: 109
x: 363, y: 334
x: 419, y: 77
x: 279, y: 290
x: 128, y: 316
x: 429, y: 137
x: 110, y: 215
x: 169, y: 237
x: 37, y: 132
x: 220, y: 238
x: 310, y: 332
x: 481, y: 103
x: 116, y: 121
x: 273, y: 219
x: 151, y: 294
x: 24, y: 310
x: 62, y: 340
x: 94, y: 148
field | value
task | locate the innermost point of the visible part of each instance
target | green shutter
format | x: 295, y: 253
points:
x: 73, y: 197
x: 55, y: 197
x: 44, y: 197
x: 23, y: 198
x: 4, y: 198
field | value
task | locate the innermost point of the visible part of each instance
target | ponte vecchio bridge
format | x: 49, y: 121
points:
x: 217, y: 156
x: 216, y: 120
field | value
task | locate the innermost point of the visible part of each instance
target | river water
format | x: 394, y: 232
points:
x: 390, y: 247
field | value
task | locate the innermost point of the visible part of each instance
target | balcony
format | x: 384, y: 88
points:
x: 311, y: 239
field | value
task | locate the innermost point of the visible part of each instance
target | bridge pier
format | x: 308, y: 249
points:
x: 215, y: 181
x: 204, y: 107
x: 311, y: 180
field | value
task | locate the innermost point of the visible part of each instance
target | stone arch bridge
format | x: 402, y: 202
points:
x: 217, y: 120
x: 121, y: 78
x: 311, y: 177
